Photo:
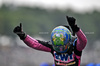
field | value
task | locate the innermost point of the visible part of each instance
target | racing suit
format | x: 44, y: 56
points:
x: 61, y: 59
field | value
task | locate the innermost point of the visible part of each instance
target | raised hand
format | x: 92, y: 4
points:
x: 19, y: 31
x: 71, y: 20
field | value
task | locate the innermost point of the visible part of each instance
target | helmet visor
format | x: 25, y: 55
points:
x: 61, y: 48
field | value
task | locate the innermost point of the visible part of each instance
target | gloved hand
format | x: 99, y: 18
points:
x: 71, y: 22
x: 19, y: 31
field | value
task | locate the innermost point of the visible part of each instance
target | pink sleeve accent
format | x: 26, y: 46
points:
x: 33, y: 43
x: 81, y: 40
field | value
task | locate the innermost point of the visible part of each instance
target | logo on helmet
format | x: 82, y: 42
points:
x: 58, y: 39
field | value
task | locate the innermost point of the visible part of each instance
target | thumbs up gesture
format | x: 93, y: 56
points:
x: 19, y: 31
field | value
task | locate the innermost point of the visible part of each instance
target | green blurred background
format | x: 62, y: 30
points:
x: 39, y: 23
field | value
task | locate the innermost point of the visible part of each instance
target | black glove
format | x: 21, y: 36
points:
x: 18, y: 30
x: 71, y: 22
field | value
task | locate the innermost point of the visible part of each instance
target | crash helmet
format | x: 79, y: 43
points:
x: 61, y: 39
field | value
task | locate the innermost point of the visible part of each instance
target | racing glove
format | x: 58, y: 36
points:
x: 72, y: 23
x: 19, y: 31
